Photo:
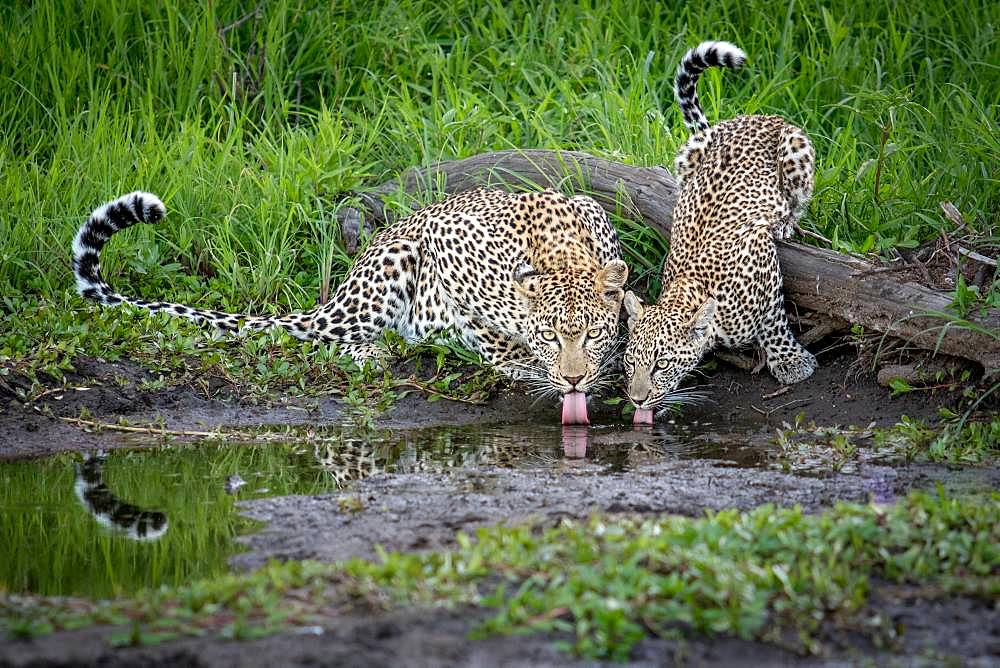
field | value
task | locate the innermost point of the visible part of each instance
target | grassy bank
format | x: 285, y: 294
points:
x: 254, y: 127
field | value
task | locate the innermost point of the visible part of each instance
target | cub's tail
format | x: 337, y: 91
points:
x: 694, y: 62
x: 142, y: 207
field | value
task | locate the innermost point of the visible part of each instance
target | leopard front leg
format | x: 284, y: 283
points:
x: 787, y: 359
x: 363, y: 352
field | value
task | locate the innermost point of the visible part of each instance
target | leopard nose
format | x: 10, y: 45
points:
x: 572, y: 380
x: 638, y: 400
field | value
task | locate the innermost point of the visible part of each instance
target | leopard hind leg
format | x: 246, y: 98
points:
x: 796, y: 177
x: 377, y: 295
x: 691, y: 154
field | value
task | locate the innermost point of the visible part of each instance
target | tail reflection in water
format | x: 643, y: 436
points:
x: 119, y: 516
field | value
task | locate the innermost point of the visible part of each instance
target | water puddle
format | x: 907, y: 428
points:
x: 107, y: 525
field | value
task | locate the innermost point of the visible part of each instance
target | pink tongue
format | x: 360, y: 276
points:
x: 643, y: 416
x: 575, y: 408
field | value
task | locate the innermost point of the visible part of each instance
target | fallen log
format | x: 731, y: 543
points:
x: 845, y: 288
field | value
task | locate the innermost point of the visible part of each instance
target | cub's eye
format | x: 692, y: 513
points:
x: 548, y: 335
x: 662, y: 363
x: 594, y: 333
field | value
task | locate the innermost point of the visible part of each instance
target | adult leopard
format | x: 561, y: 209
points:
x: 532, y: 281
x: 743, y: 183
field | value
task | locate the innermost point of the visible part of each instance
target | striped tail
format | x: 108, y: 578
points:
x: 137, y: 207
x: 111, y: 512
x: 694, y: 62
x: 143, y: 207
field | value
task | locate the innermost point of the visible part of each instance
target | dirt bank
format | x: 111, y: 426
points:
x: 956, y: 631
x: 419, y: 511
x: 835, y: 395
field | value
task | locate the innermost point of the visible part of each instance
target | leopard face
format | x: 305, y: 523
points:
x: 571, y: 325
x: 664, y: 347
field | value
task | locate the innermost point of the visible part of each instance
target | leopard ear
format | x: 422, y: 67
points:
x: 527, y: 283
x: 703, y: 321
x: 634, y: 309
x: 610, y: 281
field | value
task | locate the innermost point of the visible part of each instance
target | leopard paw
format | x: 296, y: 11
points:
x: 793, y: 367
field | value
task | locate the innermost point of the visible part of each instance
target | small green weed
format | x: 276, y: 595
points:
x: 760, y: 574
x: 954, y: 440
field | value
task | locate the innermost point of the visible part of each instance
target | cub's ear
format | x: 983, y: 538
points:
x: 703, y: 321
x: 610, y: 281
x: 634, y: 308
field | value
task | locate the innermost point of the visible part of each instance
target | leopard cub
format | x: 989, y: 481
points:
x: 743, y: 183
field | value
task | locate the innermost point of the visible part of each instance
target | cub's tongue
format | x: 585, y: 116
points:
x: 643, y: 416
x: 575, y: 408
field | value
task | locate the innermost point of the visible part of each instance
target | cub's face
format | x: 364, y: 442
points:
x: 572, y: 325
x: 664, y: 346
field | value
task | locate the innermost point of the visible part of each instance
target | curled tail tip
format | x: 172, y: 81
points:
x: 695, y: 61
x: 715, y: 54
x: 110, y: 217
x: 145, y: 206
x: 152, y: 206
x: 136, y: 207
x: 104, y: 221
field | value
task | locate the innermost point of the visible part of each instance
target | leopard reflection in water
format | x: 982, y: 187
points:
x: 119, y: 516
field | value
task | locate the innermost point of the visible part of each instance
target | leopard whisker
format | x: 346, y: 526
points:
x: 687, y: 400
x: 544, y: 394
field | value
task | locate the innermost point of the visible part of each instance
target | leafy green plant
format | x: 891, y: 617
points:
x: 608, y: 582
x: 955, y: 440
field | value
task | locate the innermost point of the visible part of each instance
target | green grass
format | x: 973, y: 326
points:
x: 774, y: 574
x: 40, y: 339
x: 954, y: 441
x: 253, y: 137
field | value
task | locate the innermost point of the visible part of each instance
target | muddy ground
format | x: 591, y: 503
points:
x: 956, y: 632
x: 422, y: 511
x: 838, y: 394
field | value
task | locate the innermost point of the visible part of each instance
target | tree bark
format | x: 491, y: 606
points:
x: 840, y: 286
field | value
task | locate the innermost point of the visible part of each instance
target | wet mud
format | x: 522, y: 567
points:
x: 423, y: 511
x: 956, y: 631
x: 719, y: 455
x: 838, y: 394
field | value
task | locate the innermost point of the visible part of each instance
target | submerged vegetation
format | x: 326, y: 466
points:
x: 773, y: 574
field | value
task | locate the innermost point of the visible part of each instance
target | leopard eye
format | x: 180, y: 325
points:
x: 594, y: 333
x: 548, y: 335
x: 629, y: 359
x: 662, y: 363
